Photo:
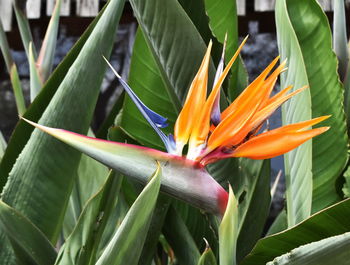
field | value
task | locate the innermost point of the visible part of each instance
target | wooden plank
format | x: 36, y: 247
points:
x: 241, y: 7
x: 87, y: 8
x: 33, y: 8
x: 6, y: 14
x: 65, y: 7
x: 264, y: 5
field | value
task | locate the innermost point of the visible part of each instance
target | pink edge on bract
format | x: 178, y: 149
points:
x: 65, y: 135
x: 222, y: 200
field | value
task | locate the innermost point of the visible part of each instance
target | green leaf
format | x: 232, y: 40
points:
x: 332, y: 250
x: 326, y: 96
x: 35, y: 81
x: 26, y: 239
x: 23, y: 25
x: 159, y: 213
x: 81, y: 246
x: 180, y: 239
x: 47, y: 51
x: 175, y: 43
x: 340, y: 40
x: 346, y: 187
x: 329, y: 222
x: 3, y: 145
x: 279, y: 224
x: 228, y: 232
x: 91, y: 177
x: 151, y: 90
x: 109, y: 120
x: 22, y: 131
x: 126, y: 245
x: 12, y: 69
x: 180, y: 177
x: 252, y: 187
x: 207, y: 258
x: 196, y: 12
x: 347, y: 93
x: 34, y: 176
x: 297, y: 163
x: 223, y: 20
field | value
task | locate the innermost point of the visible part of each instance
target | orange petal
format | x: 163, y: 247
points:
x: 280, y: 94
x: 194, y: 103
x: 298, y: 127
x: 266, y: 146
x: 260, y: 116
x: 249, y: 90
x: 240, y: 112
x: 202, y: 124
x: 272, y: 105
x: 271, y: 81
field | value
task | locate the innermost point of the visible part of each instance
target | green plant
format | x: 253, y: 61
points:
x: 52, y: 194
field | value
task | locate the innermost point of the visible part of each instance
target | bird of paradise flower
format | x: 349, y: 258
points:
x: 209, y: 134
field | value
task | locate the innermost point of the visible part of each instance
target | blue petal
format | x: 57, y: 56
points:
x: 154, y: 119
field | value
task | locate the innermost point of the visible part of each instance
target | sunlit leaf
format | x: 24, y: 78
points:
x: 332, y: 250
x: 48, y: 47
x: 326, y: 223
x: 228, y: 232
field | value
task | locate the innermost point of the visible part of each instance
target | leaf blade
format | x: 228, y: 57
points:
x: 126, y: 245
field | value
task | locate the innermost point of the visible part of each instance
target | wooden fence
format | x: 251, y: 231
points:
x: 90, y: 8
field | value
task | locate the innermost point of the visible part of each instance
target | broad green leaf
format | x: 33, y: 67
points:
x: 228, y: 232
x: 180, y: 177
x: 126, y: 245
x: 332, y: 250
x: 180, y: 239
x: 3, y: 145
x: 297, y: 163
x: 340, y: 40
x: 279, y: 224
x: 346, y: 187
x: 326, y: 96
x: 252, y: 188
x: 91, y: 177
x: 71, y: 107
x: 12, y: 70
x: 347, y: 94
x: 27, y: 240
x: 109, y: 120
x: 151, y: 90
x: 196, y: 12
x: 159, y: 213
x: 199, y: 224
x: 35, y: 81
x: 22, y: 131
x: 175, y: 43
x: 223, y: 20
x: 47, y: 51
x: 329, y: 222
x: 81, y: 246
x: 207, y: 258
x: 23, y: 25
